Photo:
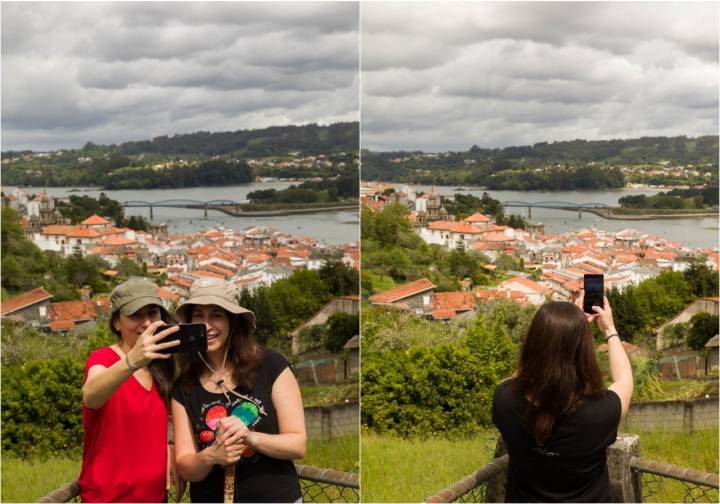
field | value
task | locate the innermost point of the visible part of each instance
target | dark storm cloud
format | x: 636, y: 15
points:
x: 112, y: 72
x: 440, y: 76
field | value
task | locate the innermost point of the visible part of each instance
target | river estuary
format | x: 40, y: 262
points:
x: 343, y: 226
x: 331, y: 227
x: 694, y: 232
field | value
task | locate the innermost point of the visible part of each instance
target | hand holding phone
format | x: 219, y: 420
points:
x: 594, y: 288
x: 193, y: 338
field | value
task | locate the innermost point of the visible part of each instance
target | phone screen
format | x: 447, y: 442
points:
x: 193, y: 338
x: 594, y: 291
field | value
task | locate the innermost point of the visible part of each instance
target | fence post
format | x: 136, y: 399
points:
x: 624, y: 484
x: 688, y: 416
x: 497, y: 485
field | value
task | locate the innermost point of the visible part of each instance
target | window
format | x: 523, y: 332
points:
x: 43, y: 311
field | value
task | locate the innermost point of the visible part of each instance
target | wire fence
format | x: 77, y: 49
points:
x: 316, y: 484
x: 658, y: 482
x: 474, y: 487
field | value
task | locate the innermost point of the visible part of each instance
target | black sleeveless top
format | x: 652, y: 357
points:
x: 258, y: 478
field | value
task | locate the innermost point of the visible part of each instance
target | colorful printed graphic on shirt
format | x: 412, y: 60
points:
x: 210, y: 414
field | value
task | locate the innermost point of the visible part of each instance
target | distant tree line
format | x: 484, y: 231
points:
x: 577, y: 164
x: 330, y: 190
x: 65, y: 168
x: 676, y: 198
x: 307, y: 139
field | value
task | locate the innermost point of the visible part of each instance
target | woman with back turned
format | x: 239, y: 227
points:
x: 555, y: 415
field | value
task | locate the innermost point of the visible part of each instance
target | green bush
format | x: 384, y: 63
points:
x: 429, y: 390
x: 42, y: 407
x: 426, y: 391
x: 42, y: 398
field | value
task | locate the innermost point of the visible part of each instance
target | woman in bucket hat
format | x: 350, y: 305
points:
x: 236, y: 408
x: 125, y: 402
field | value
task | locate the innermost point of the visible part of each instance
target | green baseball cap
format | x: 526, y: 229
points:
x: 134, y: 294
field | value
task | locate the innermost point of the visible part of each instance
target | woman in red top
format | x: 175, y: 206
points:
x: 125, y: 403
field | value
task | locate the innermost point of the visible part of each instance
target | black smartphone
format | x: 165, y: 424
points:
x: 594, y: 292
x: 193, y: 338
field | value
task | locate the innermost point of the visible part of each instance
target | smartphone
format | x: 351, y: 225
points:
x: 193, y: 338
x: 594, y: 292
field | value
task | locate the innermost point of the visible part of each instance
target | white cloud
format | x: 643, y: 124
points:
x: 117, y: 71
x: 439, y: 76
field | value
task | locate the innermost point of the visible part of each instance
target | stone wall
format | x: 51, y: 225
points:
x: 327, y: 422
x: 675, y: 416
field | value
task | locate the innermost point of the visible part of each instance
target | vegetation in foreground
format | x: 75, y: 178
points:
x: 26, y: 480
x: 410, y: 470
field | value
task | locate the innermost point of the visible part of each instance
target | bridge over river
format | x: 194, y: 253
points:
x: 234, y: 208
x: 555, y: 205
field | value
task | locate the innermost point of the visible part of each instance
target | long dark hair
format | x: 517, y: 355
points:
x: 244, y: 354
x: 161, y: 370
x: 558, y: 366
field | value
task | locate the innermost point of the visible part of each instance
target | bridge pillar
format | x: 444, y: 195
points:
x: 205, y: 211
x: 529, y: 212
x: 579, y: 213
x: 151, y: 212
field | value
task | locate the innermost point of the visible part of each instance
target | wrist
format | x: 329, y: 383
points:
x: 611, y: 335
x: 609, y: 330
x: 211, y: 455
x: 131, y: 366
x: 251, y: 439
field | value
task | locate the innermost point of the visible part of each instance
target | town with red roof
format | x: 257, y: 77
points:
x: 556, y: 262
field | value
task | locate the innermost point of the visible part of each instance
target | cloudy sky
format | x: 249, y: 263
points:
x: 446, y: 76
x: 113, y: 72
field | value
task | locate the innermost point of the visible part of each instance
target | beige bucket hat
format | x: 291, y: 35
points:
x: 134, y: 294
x: 215, y: 291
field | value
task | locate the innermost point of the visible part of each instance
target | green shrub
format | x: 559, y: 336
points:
x: 42, y: 407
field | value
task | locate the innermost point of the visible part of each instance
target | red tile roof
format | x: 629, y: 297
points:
x: 402, y: 292
x: 443, y: 314
x: 478, y: 217
x: 61, y: 325
x: 182, y: 281
x: 455, y: 227
x: 455, y: 301
x: 202, y: 273
x: 95, y: 220
x: 73, y: 310
x: 168, y: 294
x: 497, y: 238
x: 113, y: 241
x: 525, y: 282
x: 24, y: 300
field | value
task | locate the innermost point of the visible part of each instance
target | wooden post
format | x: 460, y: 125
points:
x: 624, y: 483
x: 497, y: 485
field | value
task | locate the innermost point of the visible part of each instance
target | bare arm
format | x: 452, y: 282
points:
x: 291, y: 440
x: 619, y: 364
x: 102, y: 382
x: 194, y: 465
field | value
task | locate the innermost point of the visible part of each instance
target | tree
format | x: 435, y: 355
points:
x: 340, y: 328
x: 702, y: 280
x: 266, y: 320
x: 339, y: 278
x: 704, y: 327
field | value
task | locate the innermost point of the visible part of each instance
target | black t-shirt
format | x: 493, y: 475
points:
x: 572, y: 466
x: 258, y: 478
